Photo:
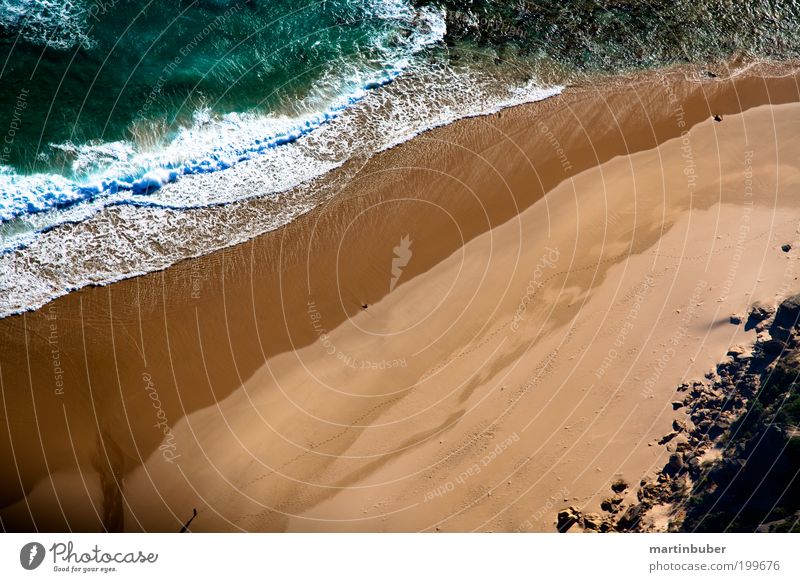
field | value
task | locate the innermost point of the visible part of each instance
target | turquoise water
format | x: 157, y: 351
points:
x: 132, y: 70
x: 112, y: 96
x: 102, y: 97
x: 134, y: 134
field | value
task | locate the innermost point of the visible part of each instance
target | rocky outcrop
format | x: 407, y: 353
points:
x: 567, y: 518
x: 786, y: 318
x: 759, y: 312
x: 734, y: 462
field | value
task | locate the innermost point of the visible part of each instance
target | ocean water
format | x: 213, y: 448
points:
x: 124, y: 96
x: 615, y: 35
x: 136, y: 133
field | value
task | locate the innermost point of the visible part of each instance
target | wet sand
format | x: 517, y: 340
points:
x: 516, y: 355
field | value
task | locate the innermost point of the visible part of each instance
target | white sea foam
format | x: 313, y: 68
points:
x: 141, y: 210
x: 54, y: 23
x: 116, y: 173
x: 252, y: 197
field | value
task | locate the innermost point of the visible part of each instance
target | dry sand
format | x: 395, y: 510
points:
x: 525, y: 356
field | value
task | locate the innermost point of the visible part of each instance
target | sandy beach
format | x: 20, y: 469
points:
x: 487, y: 324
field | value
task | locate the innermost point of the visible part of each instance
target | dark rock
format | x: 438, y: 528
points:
x: 592, y: 521
x: 693, y: 466
x: 716, y: 391
x: 606, y: 526
x: 681, y: 425
x: 773, y: 347
x: 786, y: 248
x: 735, y: 319
x: 674, y: 465
x: 611, y: 504
x: 759, y: 311
x: 667, y: 437
x: 718, y: 428
x: 651, y: 492
x: 682, y: 443
x: 724, y: 406
x: 619, y: 486
x: 567, y: 518
x: 676, y: 404
x: 631, y: 518
x: 717, y: 118
x: 786, y: 318
x: 677, y: 488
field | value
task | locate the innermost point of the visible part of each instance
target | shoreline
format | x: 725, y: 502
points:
x: 89, y: 230
x: 278, y: 185
x: 272, y: 429
x: 734, y: 436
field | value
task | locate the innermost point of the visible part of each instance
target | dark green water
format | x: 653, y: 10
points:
x: 617, y: 35
x: 112, y: 103
x: 109, y: 70
x: 122, y: 69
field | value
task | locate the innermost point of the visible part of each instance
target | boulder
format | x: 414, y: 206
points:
x: 619, y: 486
x: 786, y: 318
x: 678, y: 487
x: 772, y: 347
x: 682, y: 443
x: 675, y: 464
x: 567, y: 518
x: 693, y: 465
x: 611, y: 504
x: 631, y: 518
x: 592, y: 521
x: 739, y: 353
x: 667, y: 437
x: 650, y: 491
x: 680, y: 425
x: 718, y: 428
